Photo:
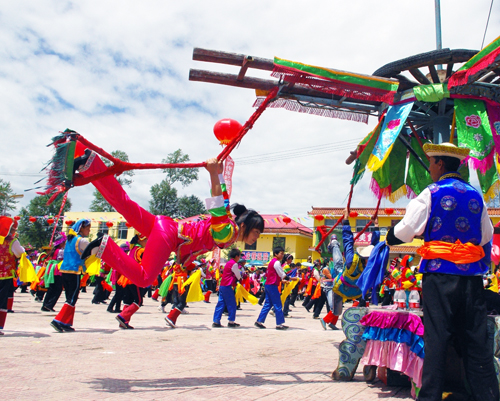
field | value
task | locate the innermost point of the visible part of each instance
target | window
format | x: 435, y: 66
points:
x: 122, y: 230
x: 360, y: 224
x: 279, y: 241
x: 103, y: 228
x: 252, y: 247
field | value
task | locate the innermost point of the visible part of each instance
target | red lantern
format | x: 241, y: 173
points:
x: 17, y: 218
x: 32, y: 219
x: 319, y: 217
x: 50, y: 221
x: 353, y: 214
x: 226, y: 129
x: 389, y: 211
x: 109, y: 224
x: 128, y: 224
x: 286, y: 219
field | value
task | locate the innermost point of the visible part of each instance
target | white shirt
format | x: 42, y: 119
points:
x: 417, y: 215
x: 236, y: 271
x: 17, y: 249
x: 279, y: 269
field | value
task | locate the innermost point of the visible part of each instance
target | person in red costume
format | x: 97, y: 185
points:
x: 165, y: 235
x: 10, y: 251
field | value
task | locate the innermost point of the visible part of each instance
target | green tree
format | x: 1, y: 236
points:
x: 38, y: 233
x: 164, y: 196
x: 99, y: 204
x: 190, y: 206
x: 7, y: 202
x: 183, y: 175
x: 163, y: 199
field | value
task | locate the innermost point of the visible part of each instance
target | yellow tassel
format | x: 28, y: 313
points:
x: 492, y: 192
x: 195, y: 294
x: 241, y: 294
x: 93, y: 265
x: 398, y: 194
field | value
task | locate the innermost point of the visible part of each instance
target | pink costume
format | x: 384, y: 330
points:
x: 164, y: 234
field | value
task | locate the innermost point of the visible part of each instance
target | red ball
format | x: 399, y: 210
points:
x: 32, y: 219
x: 389, y: 211
x: 17, y: 218
x: 226, y: 130
x: 353, y: 214
x: 319, y: 217
x: 109, y: 224
x: 128, y: 224
x: 286, y: 220
x: 50, y: 221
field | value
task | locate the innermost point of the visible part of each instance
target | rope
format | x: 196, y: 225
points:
x: 120, y: 166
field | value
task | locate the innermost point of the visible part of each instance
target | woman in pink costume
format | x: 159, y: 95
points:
x: 165, y: 235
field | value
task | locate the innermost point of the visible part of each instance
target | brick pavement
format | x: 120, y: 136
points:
x: 102, y: 362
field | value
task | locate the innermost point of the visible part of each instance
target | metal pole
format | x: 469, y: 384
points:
x: 439, y: 43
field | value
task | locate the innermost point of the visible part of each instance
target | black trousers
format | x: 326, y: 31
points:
x: 116, y: 301
x: 53, y: 293
x: 6, y: 288
x: 454, y: 307
x: 71, y: 283
x: 178, y: 300
x: 133, y: 294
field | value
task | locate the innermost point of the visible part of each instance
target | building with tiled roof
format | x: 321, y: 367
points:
x: 326, y: 217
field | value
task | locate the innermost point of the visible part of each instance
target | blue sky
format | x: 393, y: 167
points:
x: 117, y: 72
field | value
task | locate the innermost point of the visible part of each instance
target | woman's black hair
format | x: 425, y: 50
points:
x: 134, y: 240
x: 234, y: 253
x: 69, y: 237
x: 250, y: 218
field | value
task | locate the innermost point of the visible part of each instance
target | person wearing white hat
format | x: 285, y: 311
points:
x: 452, y: 217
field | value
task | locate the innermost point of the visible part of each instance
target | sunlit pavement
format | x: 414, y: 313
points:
x: 100, y: 361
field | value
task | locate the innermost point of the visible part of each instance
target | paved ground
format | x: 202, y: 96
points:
x: 152, y: 362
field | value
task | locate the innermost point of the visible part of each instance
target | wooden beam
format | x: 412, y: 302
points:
x: 215, y: 56
x: 417, y: 74
x: 449, y: 70
x: 264, y: 84
x: 434, y: 74
x: 244, y: 68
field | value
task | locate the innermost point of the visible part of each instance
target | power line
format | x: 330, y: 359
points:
x: 487, y: 22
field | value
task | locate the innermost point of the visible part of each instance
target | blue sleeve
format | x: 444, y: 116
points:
x: 348, y: 239
x: 375, y: 237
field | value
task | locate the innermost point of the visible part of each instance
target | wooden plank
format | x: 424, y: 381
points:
x: 417, y: 74
x: 434, y: 74
x: 215, y: 56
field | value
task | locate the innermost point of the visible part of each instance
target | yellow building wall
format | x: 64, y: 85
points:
x: 297, y: 245
x: 383, y: 222
x: 96, y: 218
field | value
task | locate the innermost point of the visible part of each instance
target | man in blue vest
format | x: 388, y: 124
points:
x: 452, y: 217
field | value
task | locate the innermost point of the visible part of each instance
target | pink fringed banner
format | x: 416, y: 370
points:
x: 293, y: 105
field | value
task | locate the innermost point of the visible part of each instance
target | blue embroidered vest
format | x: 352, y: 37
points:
x: 456, y: 211
x: 72, y: 262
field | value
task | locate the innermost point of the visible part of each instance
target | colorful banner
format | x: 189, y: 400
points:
x: 393, y: 123
x: 341, y: 83
x: 253, y: 256
x: 228, y: 174
x: 474, y: 132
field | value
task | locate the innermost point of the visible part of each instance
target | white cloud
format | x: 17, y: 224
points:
x: 117, y: 72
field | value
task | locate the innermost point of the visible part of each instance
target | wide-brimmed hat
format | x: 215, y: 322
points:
x: 365, y: 251
x: 446, y: 149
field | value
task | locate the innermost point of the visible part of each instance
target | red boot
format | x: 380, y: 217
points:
x: 155, y: 294
x: 207, y: 296
x: 128, y: 311
x: 171, y: 318
x: 10, y: 304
